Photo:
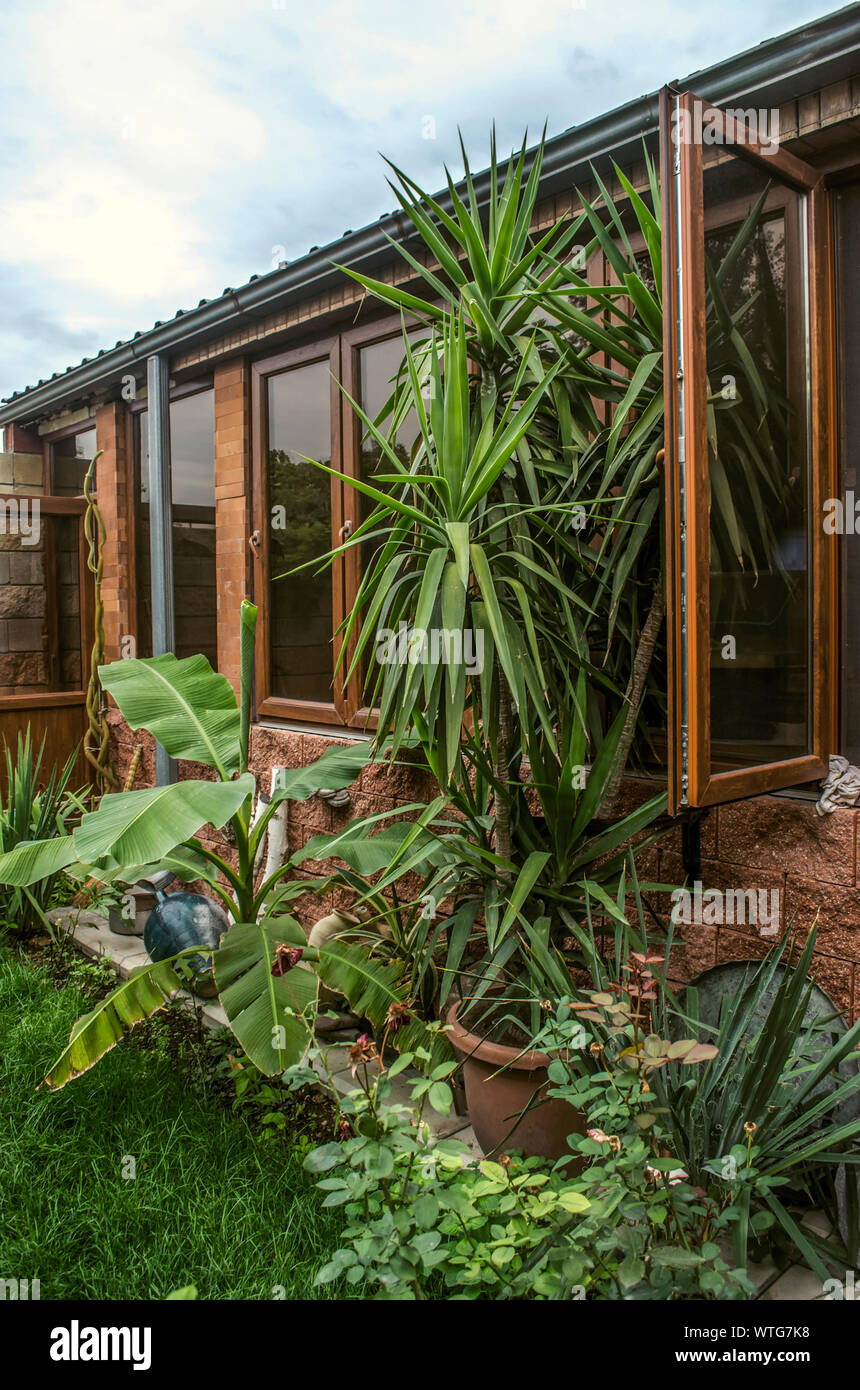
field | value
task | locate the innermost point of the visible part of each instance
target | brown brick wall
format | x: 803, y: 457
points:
x: 112, y: 488
x: 769, y: 842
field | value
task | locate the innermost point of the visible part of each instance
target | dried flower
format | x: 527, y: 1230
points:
x: 674, y: 1177
x: 343, y: 1130
x: 504, y: 1160
x: 546, y: 1005
x: 286, y: 957
x: 363, y: 1050
x: 597, y: 1135
x: 596, y: 1048
x: 614, y: 1143
x: 398, y: 1016
x: 646, y: 1089
x: 750, y: 1129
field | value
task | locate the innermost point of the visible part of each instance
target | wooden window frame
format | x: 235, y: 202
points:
x: 692, y: 781
x: 269, y: 706
x: 133, y: 412
x: 52, y: 438
x: 354, y: 341
x: 52, y: 505
x: 54, y: 699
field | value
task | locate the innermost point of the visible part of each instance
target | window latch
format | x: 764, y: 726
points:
x: 254, y: 541
x: 345, y: 531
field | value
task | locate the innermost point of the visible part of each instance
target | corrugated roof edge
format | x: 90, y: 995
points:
x: 775, y: 71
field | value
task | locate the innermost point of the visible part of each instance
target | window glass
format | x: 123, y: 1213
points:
x: 70, y: 461
x: 192, y: 449
x: 40, y: 617
x: 379, y: 364
x: 758, y: 462
x: 298, y: 404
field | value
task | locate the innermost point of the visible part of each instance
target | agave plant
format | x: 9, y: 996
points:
x: 774, y: 1111
x: 32, y: 810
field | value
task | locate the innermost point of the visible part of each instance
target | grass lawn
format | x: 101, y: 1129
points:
x: 211, y: 1204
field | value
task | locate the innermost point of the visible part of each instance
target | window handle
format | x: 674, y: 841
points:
x: 254, y: 541
x: 345, y: 531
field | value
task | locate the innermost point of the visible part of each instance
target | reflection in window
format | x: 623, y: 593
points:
x: 299, y: 510
x: 380, y: 368
x: 759, y: 468
x: 70, y: 461
x: 195, y: 598
x: 40, y: 614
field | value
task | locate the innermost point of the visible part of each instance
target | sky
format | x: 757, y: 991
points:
x: 151, y: 155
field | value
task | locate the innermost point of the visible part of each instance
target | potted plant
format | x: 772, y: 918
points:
x: 500, y: 553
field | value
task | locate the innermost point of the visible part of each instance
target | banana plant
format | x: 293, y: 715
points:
x: 194, y: 714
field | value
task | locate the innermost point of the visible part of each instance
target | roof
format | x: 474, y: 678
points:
x: 775, y: 71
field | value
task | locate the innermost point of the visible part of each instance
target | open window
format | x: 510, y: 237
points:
x: 749, y: 458
x: 298, y: 517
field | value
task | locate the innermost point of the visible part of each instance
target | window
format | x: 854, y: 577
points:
x: 300, y: 513
x: 45, y: 623
x: 749, y: 461
x: 195, y: 596
x: 297, y: 516
x: 372, y: 357
x: 70, y: 458
x: 40, y: 603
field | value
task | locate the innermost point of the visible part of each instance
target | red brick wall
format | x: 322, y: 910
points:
x: 112, y: 489
x: 376, y: 790
x: 767, y: 842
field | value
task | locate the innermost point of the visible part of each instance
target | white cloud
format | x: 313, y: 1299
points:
x: 152, y: 154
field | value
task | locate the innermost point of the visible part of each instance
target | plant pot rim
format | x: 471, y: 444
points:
x: 496, y: 1054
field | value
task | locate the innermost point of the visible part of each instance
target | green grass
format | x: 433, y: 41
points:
x: 211, y: 1205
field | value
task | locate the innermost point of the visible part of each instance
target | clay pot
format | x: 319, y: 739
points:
x: 321, y: 933
x: 495, y: 1097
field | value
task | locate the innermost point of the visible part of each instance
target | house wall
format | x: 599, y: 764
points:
x: 770, y: 842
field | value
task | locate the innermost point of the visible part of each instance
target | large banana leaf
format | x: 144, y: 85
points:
x: 369, y: 854
x: 130, y: 829
x: 372, y: 986
x: 271, y: 1015
x: 33, y: 860
x: 142, y: 994
x: 337, y: 767
x: 187, y: 706
x: 142, y: 826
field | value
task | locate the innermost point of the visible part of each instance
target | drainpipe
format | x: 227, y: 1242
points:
x: 160, y: 530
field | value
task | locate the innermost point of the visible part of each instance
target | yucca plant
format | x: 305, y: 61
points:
x: 622, y: 326
x: 783, y: 1087
x: 37, y: 803
x: 487, y: 530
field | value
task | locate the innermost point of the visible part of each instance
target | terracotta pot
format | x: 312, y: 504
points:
x: 496, y: 1097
